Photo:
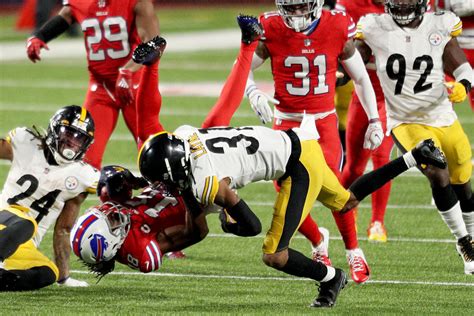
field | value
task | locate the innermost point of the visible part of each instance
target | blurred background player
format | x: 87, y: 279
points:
x: 357, y: 122
x: 139, y: 229
x: 112, y: 29
x: 46, y: 185
x: 414, y: 50
x: 465, y: 10
x: 305, y: 45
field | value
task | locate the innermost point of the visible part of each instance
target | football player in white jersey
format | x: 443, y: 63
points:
x: 46, y: 184
x: 413, y: 51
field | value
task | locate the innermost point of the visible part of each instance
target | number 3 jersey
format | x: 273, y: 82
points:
x: 410, y: 66
x: 244, y: 154
x: 110, y: 33
x: 42, y: 188
x: 153, y: 211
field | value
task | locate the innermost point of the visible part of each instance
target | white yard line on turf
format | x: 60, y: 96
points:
x: 259, y: 278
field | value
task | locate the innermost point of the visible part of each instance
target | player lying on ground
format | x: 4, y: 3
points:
x: 212, y: 161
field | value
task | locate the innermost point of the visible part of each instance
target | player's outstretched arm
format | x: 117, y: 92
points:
x: 61, y: 245
x: 49, y: 31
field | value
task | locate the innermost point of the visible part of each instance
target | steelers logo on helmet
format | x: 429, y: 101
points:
x: 70, y: 133
x: 164, y: 157
x: 300, y: 14
x: 403, y: 12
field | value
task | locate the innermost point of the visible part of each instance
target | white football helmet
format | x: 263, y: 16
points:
x: 299, y: 14
x: 99, y: 233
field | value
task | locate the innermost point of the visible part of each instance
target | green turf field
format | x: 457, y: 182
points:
x: 417, y: 272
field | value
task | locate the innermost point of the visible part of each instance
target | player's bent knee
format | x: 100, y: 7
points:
x: 437, y: 177
x: 275, y: 260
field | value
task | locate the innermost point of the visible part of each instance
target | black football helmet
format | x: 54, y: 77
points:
x: 70, y: 133
x: 119, y: 183
x: 164, y: 157
x: 404, y: 12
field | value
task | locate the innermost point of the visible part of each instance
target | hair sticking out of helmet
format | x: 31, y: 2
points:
x: 300, y: 14
x: 405, y: 12
x: 70, y: 133
x: 164, y: 157
x: 99, y: 233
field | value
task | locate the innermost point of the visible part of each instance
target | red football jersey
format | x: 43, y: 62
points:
x: 304, y: 64
x: 153, y: 211
x: 110, y: 33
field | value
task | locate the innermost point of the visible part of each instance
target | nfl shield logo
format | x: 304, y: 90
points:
x: 307, y: 42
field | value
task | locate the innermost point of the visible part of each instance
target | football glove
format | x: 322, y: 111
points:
x: 374, y: 135
x: 259, y: 103
x: 70, y: 282
x: 33, y: 48
x: 457, y: 91
x: 123, y: 87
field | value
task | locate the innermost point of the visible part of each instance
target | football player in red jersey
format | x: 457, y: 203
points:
x: 305, y: 44
x: 465, y: 10
x: 112, y: 29
x: 356, y: 156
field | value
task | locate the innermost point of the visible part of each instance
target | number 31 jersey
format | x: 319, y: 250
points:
x: 244, y: 154
x: 110, y: 33
x: 42, y: 188
x: 410, y: 66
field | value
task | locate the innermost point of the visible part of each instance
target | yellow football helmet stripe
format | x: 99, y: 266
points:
x: 83, y: 114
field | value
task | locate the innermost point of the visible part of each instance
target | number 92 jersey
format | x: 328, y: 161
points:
x: 42, y: 188
x: 410, y: 66
x: 243, y: 154
x: 110, y: 33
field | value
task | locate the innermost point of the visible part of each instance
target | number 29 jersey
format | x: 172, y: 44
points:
x: 410, y: 66
x: 244, y: 154
x: 110, y: 33
x: 42, y: 188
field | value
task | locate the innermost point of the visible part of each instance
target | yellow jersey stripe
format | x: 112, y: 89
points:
x: 92, y: 190
x: 214, y: 190
x: 457, y: 29
x: 205, y: 191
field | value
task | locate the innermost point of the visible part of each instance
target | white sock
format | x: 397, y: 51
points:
x: 409, y: 159
x: 330, y: 275
x: 454, y: 219
x: 469, y: 222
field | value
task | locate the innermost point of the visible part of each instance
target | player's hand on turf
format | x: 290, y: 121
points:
x: 123, y: 87
x: 33, y: 48
x: 259, y: 102
x: 374, y: 135
x: 70, y: 282
x: 457, y: 91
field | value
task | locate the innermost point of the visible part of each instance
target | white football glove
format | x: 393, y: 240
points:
x: 70, y: 282
x: 374, y: 135
x: 259, y: 103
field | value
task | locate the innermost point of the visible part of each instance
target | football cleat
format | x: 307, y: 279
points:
x: 175, y: 255
x: 427, y: 153
x: 358, y: 266
x: 466, y: 251
x: 7, y: 280
x: 320, y: 253
x: 328, y: 291
x: 251, y: 29
x: 377, y: 232
x: 150, y: 52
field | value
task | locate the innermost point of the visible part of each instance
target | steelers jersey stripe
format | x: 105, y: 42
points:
x: 205, y: 191
x: 213, y: 190
x: 457, y: 29
x: 359, y: 33
x: 91, y: 189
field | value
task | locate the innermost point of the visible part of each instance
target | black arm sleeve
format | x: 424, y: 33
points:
x: 247, y: 224
x: 52, y: 29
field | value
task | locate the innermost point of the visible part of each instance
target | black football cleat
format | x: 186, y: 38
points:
x: 251, y: 29
x: 328, y: 291
x: 466, y: 251
x: 150, y: 52
x: 427, y: 153
x: 7, y: 280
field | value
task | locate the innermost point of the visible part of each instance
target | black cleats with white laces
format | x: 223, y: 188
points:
x: 251, y: 29
x: 328, y: 291
x: 466, y: 251
x: 150, y: 52
x: 427, y: 153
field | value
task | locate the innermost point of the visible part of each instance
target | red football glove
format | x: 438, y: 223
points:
x: 123, y: 87
x: 33, y: 48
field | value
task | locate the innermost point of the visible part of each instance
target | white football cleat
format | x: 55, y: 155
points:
x: 320, y: 253
x: 358, y: 266
x: 466, y: 251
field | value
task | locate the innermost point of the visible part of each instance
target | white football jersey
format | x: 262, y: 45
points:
x: 243, y: 154
x: 42, y: 188
x: 410, y: 66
